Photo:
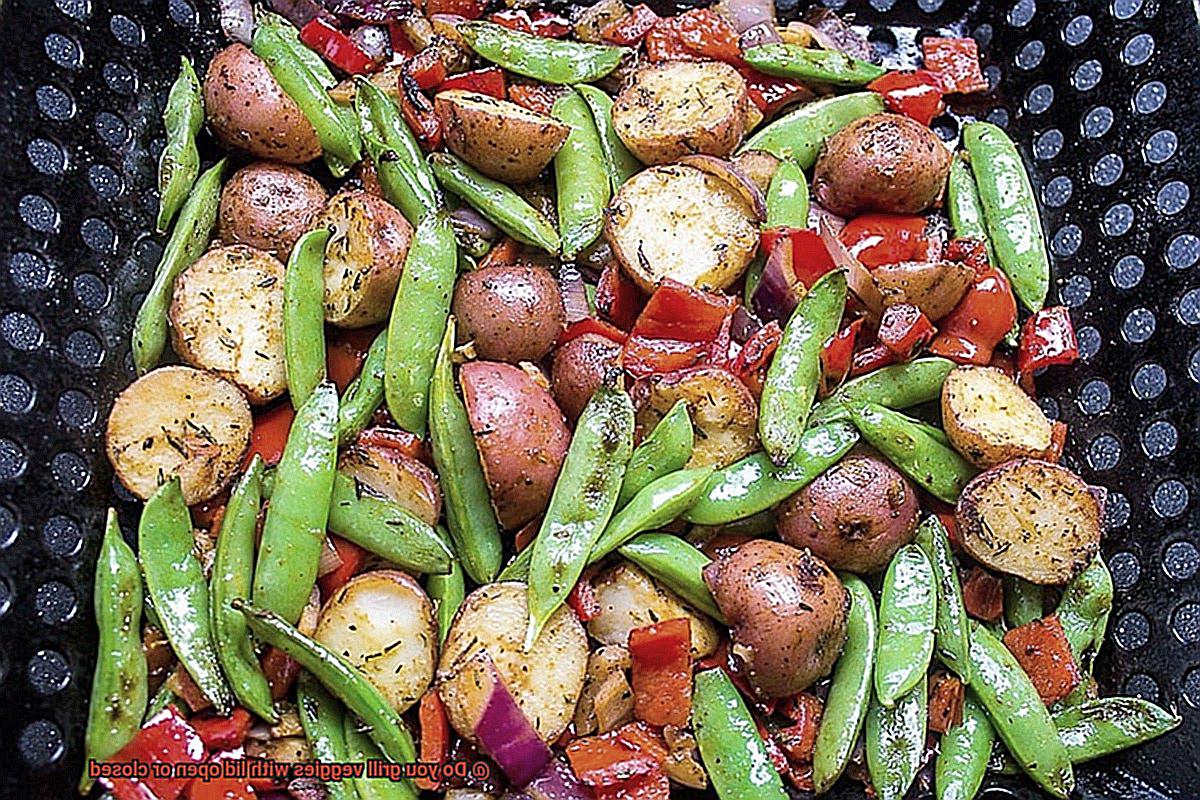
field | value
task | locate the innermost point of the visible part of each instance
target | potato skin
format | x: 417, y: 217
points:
x: 990, y: 419
x: 934, y: 288
x: 884, y: 162
x: 500, y: 139
x: 854, y: 516
x: 248, y: 110
x: 269, y: 206
x: 513, y: 313
x: 521, y: 436
x: 787, y: 611
x: 723, y: 411
x: 578, y: 369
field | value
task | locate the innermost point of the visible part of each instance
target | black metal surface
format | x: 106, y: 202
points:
x: 1102, y: 98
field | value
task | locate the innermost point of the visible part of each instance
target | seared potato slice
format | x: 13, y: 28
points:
x: 679, y: 222
x: 990, y: 420
x: 1030, y: 518
x: 722, y: 409
x: 178, y: 421
x: 935, y: 288
x: 382, y: 622
x: 545, y: 682
x: 629, y: 598
x: 501, y: 139
x: 676, y: 108
x: 227, y: 317
x: 392, y: 475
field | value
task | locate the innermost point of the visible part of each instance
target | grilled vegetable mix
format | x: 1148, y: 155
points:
x: 604, y: 401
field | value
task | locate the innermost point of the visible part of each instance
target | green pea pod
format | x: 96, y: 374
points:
x: 754, y: 273
x: 293, y: 534
x: 1085, y: 606
x: 321, y: 718
x: 469, y: 515
x: 952, y: 633
x: 895, y: 742
x: 1108, y: 725
x: 289, y: 37
x: 583, y: 500
x: 304, y: 315
x: 232, y: 575
x: 1022, y: 601
x: 386, y: 529
x: 754, y: 484
x: 731, y: 748
x: 447, y: 593
x: 1018, y: 714
x: 406, y: 179
x: 677, y: 565
x: 850, y: 690
x: 118, y: 698
x: 799, y: 135
x: 496, y: 201
x: 619, y: 163
x: 359, y: 750
x: 175, y: 583
x: 791, y: 382
x: 1010, y: 211
x: 583, y: 185
x: 179, y: 163
x: 963, y: 754
x: 546, y: 60
x: 812, y: 65
x: 787, y: 197
x: 907, y: 617
x: 364, y: 395
x: 658, y: 504
x: 188, y: 242
x: 164, y: 697
x: 964, y: 206
x: 666, y: 449
x: 342, y: 680
x: 419, y: 314
x: 898, y: 386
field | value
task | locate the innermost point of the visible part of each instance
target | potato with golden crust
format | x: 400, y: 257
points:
x: 934, y: 287
x: 499, y: 138
x: 578, y: 368
x: 512, y: 313
x: 990, y: 419
x: 629, y: 598
x: 389, y: 474
x: 723, y: 411
x: 269, y: 206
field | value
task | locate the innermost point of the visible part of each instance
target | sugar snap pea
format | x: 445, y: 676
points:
x: 581, y: 504
x: 800, y: 134
x: 895, y: 739
x: 321, y: 718
x: 907, y: 617
x: 386, y: 529
x: 164, y: 697
x: 731, y: 748
x: 582, y: 183
x: 666, y: 449
x: 496, y: 201
x: 619, y: 163
x: 175, y: 583
x: 898, y: 386
x: 952, y: 633
x: 658, y: 504
x: 964, y: 206
x: 289, y: 36
x: 792, y: 377
x: 546, y: 60
x: 293, y: 534
x: 850, y: 689
x: 304, y: 315
x: 406, y: 179
x: 363, y: 396
x: 359, y: 750
x: 187, y: 243
x: 963, y: 754
x: 754, y: 273
x: 1108, y: 725
x: 232, y: 576
x: 118, y: 698
x: 419, y: 313
x: 179, y: 163
x: 787, y: 197
x: 447, y: 593
x: 810, y: 64
x: 1085, y: 606
x: 1022, y: 601
x: 677, y: 565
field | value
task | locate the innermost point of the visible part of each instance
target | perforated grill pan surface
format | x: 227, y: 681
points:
x: 1102, y: 98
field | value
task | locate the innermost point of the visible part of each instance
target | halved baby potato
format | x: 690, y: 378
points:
x: 392, y: 475
x: 723, y: 411
x: 629, y: 598
x: 990, y: 420
x: 269, y: 206
x: 499, y: 138
x: 935, y: 287
x: 177, y: 420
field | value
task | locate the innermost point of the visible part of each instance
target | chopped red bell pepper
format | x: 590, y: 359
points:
x: 618, y: 299
x: 810, y: 257
x: 870, y: 359
x: 536, y: 97
x: 352, y: 557
x: 1042, y: 650
x: 1058, y: 441
x: 629, y: 30
x: 675, y: 329
x: 799, y: 738
x: 167, y: 738
x: 983, y: 595
x: 946, y: 695
x: 979, y: 322
x: 187, y: 690
x: 904, y: 330
x: 708, y: 34
x: 402, y: 47
x: 546, y: 24
x: 956, y: 62
x: 336, y: 47
x: 624, y: 764
x: 950, y: 523
x: 662, y: 672
x: 582, y: 598
x: 281, y: 671
x: 426, y: 68
x: 751, y: 362
x: 489, y: 81
x: 468, y: 9
x: 838, y: 356
x: 916, y: 94
x: 270, y: 433
x: 528, y: 532
x: 345, y: 353
x: 397, y: 439
x: 774, y: 751
x: 770, y: 93
x: 415, y: 107
x: 435, y: 734
x: 722, y: 657
x: 1047, y: 338
x: 592, y: 325
x: 208, y: 515
x: 223, y: 733
x: 877, y: 239
x: 663, y: 44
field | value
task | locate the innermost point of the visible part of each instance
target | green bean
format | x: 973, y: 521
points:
x: 179, y: 163
x: 787, y: 197
x: 304, y: 315
x: 791, y: 383
x: 583, y: 500
x: 364, y: 395
x: 496, y: 201
x: 1108, y: 725
x: 1085, y: 606
x: 175, y: 583
x: 1022, y: 601
x: 731, y: 748
x: 677, y: 565
x: 907, y: 617
x: 850, y: 689
x: 963, y: 754
x: 419, y: 314
x: 188, y: 241
x: 1018, y: 714
x: 800, y: 134
x: 811, y: 65
x: 583, y: 184
x: 952, y: 633
x: 293, y: 534
x: 360, y: 750
x: 342, y: 680
x: 666, y: 449
x: 658, y: 504
x: 895, y: 739
x: 619, y: 163
x: 913, y: 449
x: 754, y: 484
x: 469, y: 515
x: 546, y: 60
x: 321, y: 718
x: 447, y: 593
x: 164, y: 697
x: 1010, y: 211
x: 897, y: 387
x: 386, y: 529
x: 232, y: 575
x: 406, y: 179
x: 118, y: 698
x: 965, y: 208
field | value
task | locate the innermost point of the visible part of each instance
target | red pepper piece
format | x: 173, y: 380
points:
x: 1047, y: 338
x: 709, y: 35
x: 223, y: 733
x: 662, y: 672
x: 751, y: 362
x: 346, y: 353
x: 166, y: 739
x: 979, y: 322
x: 281, y: 671
x: 352, y: 557
x: 774, y: 751
x: 916, y: 94
x: 546, y: 24
x: 336, y: 47
x: 956, y: 62
x: 663, y: 44
x: 489, y: 81
x: 397, y: 439
x: 723, y: 658
x: 770, y: 93
x: 536, y: 97
x: 426, y: 68
x: 504, y: 253
x: 401, y: 46
x: 810, y: 257
x: 629, y: 30
x: 904, y: 330
x: 270, y: 433
x: 877, y: 239
x: 582, y: 598
x: 618, y: 299
x: 415, y: 107
x: 870, y: 359
x: 1058, y: 441
x: 468, y: 9
x: 838, y: 356
x: 592, y: 325
x: 525, y: 536
x: 435, y: 734
x: 1042, y: 650
x: 946, y: 695
x: 675, y: 329
x: 983, y: 595
x: 799, y: 738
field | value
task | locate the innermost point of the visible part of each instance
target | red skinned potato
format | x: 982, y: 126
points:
x: 513, y: 313
x: 521, y: 435
x: 854, y: 516
x: 787, y: 614
x: 392, y: 475
x: 269, y: 206
x: 501, y: 139
x: 578, y: 368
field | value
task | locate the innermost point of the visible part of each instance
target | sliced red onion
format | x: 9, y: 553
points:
x: 857, y: 277
x: 301, y: 12
x: 556, y: 781
x: 818, y: 215
x: 237, y: 20
x: 378, y: 12
x: 506, y: 736
x: 743, y: 325
x: 745, y: 14
x: 467, y: 219
x: 574, y: 293
x: 726, y: 171
x: 832, y: 33
x: 330, y: 560
x: 374, y: 41
x: 1101, y: 495
x: 760, y: 34
x: 779, y: 291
